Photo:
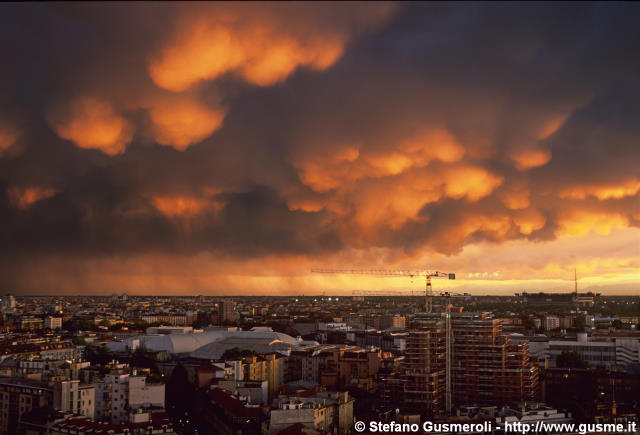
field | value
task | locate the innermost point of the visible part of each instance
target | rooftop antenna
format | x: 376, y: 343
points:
x: 575, y: 280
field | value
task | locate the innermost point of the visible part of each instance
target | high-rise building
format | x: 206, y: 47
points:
x: 486, y: 368
x: 225, y: 311
x: 424, y: 367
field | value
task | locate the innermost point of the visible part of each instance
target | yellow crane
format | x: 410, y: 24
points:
x: 427, y: 274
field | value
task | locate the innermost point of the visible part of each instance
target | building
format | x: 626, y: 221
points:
x: 325, y: 412
x: 30, y: 323
x: 71, y: 396
x: 211, y: 343
x: 231, y: 416
x: 256, y: 392
x: 424, y: 366
x: 226, y: 310
x: 332, y: 365
x: 120, y: 392
x: 551, y: 323
x: 489, y: 369
x: 595, y: 351
x: 139, y: 423
x: 48, y: 351
x: 486, y: 367
x: 51, y: 322
x: 19, y: 396
x: 8, y: 302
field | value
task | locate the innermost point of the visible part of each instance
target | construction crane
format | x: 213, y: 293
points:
x: 427, y: 274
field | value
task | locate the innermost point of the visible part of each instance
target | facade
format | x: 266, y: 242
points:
x: 148, y: 424
x: 332, y: 365
x: 595, y: 351
x: 323, y: 412
x: 226, y: 310
x: 486, y: 367
x: 119, y: 393
x: 51, y: 322
x: 76, y: 398
x: 270, y: 368
x: 256, y: 392
x: 551, y: 323
x: 424, y: 367
x: 17, y: 397
x: 30, y: 323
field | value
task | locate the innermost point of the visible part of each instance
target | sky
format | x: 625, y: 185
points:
x: 228, y: 148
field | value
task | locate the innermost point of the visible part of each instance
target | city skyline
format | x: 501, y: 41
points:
x: 227, y: 148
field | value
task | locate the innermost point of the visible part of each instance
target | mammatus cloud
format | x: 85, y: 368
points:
x: 179, y: 123
x: 530, y: 158
x: 93, y: 124
x: 262, y: 44
x: 8, y: 137
x: 626, y: 188
x: 23, y: 197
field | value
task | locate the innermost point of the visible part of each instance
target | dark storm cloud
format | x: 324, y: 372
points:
x: 420, y: 126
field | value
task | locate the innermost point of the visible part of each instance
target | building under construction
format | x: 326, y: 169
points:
x: 485, y: 368
x: 424, y: 367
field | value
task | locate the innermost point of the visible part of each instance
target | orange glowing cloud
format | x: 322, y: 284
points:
x: 394, y: 200
x: 8, y: 137
x: 529, y: 220
x: 471, y: 182
x: 184, y: 206
x: 93, y: 124
x: 259, y: 49
x: 24, y: 197
x: 432, y: 144
x: 611, y: 191
x: 181, y: 123
x: 577, y: 223
x: 324, y: 171
x: 495, y: 226
x: 303, y: 204
x: 516, y: 199
x: 552, y: 126
x: 530, y: 158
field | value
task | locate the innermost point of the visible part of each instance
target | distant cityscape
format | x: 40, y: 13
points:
x: 125, y: 364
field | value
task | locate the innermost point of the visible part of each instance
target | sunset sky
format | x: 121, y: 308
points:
x: 160, y: 148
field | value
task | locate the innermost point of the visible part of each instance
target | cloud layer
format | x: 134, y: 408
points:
x: 296, y: 134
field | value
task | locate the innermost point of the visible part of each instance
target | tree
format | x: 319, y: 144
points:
x: 99, y: 355
x: 141, y: 358
x: 572, y: 360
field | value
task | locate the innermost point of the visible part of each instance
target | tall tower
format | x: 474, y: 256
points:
x: 575, y: 280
